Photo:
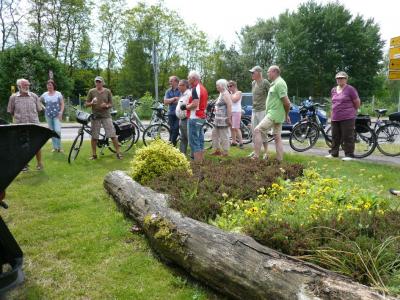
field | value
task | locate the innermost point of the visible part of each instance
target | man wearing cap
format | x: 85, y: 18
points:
x: 276, y: 112
x: 345, y: 102
x: 259, y: 89
x: 100, y: 100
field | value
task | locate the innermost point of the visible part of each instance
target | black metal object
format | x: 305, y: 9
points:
x: 18, y: 144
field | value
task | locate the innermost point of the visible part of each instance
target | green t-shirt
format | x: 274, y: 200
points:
x: 274, y: 105
x: 260, y: 91
x: 104, y: 97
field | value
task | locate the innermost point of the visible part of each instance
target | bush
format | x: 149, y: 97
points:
x: 201, y: 196
x: 157, y: 159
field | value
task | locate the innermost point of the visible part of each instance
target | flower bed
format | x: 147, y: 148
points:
x: 326, y: 220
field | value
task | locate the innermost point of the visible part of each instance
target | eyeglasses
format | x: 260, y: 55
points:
x: 230, y: 85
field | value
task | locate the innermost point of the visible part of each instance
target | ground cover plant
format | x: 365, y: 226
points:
x: 337, y: 215
x: 76, y: 243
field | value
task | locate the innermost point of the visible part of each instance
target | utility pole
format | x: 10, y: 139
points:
x: 155, y: 69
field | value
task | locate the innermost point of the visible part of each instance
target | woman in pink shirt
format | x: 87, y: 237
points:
x: 345, y: 102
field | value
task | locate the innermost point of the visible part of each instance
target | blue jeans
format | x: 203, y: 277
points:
x: 196, y: 134
x: 173, y: 123
x: 55, y: 124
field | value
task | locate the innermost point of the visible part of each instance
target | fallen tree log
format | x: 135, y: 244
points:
x: 233, y: 264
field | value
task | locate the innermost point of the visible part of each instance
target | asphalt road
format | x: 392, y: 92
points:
x: 69, y: 132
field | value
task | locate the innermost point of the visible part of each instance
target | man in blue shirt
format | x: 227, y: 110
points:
x: 171, y: 98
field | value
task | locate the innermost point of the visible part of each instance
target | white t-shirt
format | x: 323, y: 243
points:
x: 237, y: 106
x: 183, y: 99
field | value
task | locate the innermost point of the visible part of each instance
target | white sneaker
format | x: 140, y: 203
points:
x: 251, y: 154
x: 347, y: 158
x: 329, y: 156
x: 265, y: 156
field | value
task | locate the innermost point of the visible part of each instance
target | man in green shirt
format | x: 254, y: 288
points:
x: 277, y: 111
x: 259, y: 89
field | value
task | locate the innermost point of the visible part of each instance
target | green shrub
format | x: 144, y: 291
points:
x: 144, y: 110
x: 157, y: 159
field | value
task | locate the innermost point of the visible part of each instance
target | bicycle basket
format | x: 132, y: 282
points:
x: 363, y: 122
x: 395, y: 117
x: 82, y: 117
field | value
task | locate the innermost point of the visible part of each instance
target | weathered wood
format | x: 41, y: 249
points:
x: 234, y: 264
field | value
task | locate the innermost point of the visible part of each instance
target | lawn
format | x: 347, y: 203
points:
x: 77, y: 245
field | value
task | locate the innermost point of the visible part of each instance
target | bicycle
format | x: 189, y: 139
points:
x: 388, y: 133
x: 125, y: 134
x: 159, y: 128
x: 132, y: 105
x: 306, y: 132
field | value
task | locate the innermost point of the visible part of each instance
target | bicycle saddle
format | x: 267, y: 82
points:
x: 381, y: 111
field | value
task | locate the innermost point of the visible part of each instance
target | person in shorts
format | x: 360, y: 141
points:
x: 277, y: 112
x: 100, y: 100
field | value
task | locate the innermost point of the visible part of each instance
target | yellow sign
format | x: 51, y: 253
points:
x: 395, y: 41
x: 13, y: 89
x: 394, y: 64
x: 394, y: 53
x: 394, y: 75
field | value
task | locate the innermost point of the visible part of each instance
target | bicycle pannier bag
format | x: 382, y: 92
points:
x: 363, y: 123
x: 123, y: 128
x: 82, y: 117
x: 395, y: 116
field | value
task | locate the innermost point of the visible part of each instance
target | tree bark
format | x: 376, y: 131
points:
x: 233, y: 264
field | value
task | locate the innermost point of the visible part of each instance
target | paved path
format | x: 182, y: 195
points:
x: 69, y: 131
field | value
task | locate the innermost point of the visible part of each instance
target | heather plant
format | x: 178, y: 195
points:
x: 157, y: 159
x: 202, y: 195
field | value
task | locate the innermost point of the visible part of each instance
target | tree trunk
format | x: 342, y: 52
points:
x: 233, y: 264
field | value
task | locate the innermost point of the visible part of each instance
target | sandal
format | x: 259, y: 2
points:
x: 394, y: 192
x: 93, y: 157
x: 119, y: 156
x: 39, y: 167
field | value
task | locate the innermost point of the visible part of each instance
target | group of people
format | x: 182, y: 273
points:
x: 25, y: 106
x: 187, y: 101
x: 270, y: 109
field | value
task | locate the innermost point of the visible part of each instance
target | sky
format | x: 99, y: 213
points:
x: 223, y: 18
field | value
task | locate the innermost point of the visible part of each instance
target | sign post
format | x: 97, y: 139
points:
x: 394, y: 62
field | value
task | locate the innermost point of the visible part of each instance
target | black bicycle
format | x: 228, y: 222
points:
x: 388, y: 133
x: 306, y: 132
x: 126, y: 135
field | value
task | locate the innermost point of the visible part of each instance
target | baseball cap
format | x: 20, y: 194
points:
x: 99, y: 78
x: 342, y: 74
x: 256, y: 69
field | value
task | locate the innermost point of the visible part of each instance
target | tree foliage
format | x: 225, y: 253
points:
x: 32, y: 63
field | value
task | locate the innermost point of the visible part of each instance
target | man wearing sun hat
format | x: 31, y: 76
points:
x: 345, y: 102
x: 100, y: 100
x: 259, y: 89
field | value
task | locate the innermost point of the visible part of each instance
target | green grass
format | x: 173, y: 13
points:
x: 76, y: 244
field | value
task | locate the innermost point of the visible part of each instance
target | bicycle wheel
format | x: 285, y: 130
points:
x: 303, y: 136
x: 388, y: 139
x: 156, y: 131
x: 364, y: 141
x: 76, y: 146
x: 328, y: 135
x: 125, y: 142
x: 136, y: 132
